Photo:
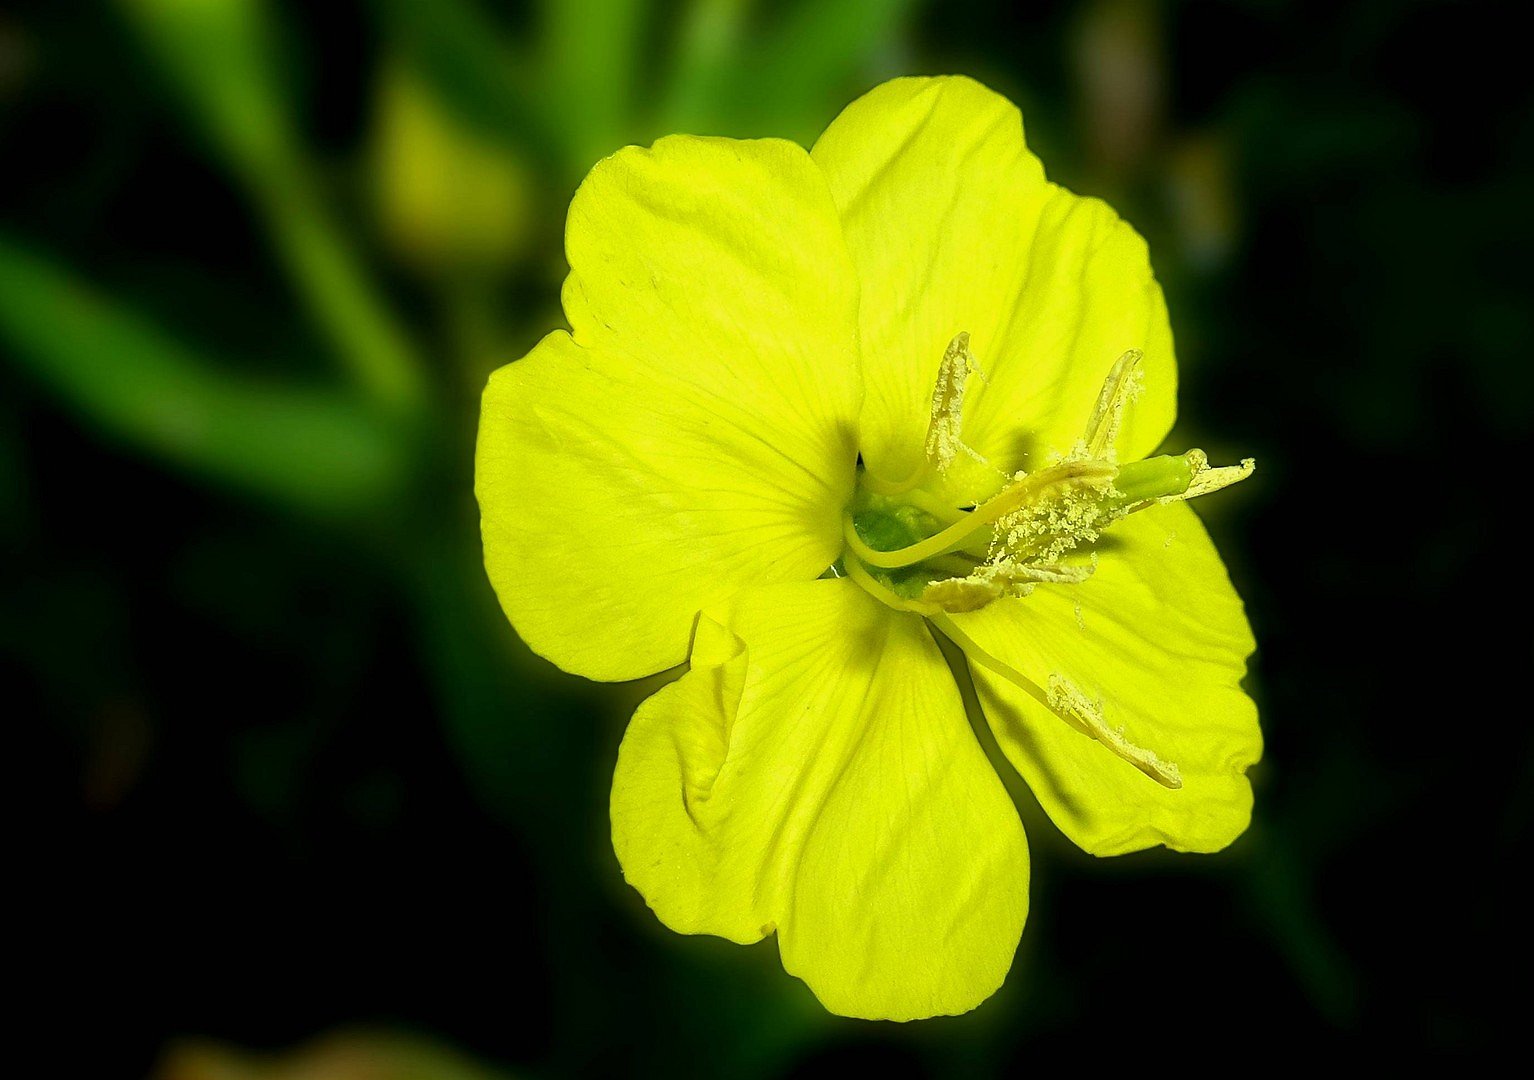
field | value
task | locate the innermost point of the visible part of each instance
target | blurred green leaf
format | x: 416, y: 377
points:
x: 590, y: 57
x: 818, y: 54
x: 707, y: 44
x: 220, y: 56
x: 575, y: 94
x: 309, y: 449
x: 787, y: 77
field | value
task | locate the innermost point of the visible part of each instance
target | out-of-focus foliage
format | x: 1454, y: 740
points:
x: 256, y: 260
x: 311, y: 448
x: 222, y: 62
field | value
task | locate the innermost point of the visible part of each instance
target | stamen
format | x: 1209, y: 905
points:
x: 1120, y: 388
x: 967, y: 593
x: 883, y: 593
x: 992, y: 581
x: 943, y: 441
x: 1086, y: 715
x: 1068, y: 703
x: 1007, y: 502
x: 1208, y: 480
x: 1049, y: 529
x: 1020, y: 532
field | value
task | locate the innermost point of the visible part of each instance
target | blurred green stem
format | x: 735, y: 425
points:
x: 220, y: 56
x: 1279, y: 888
x: 335, y: 287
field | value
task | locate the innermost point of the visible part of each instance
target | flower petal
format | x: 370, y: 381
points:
x: 954, y: 228
x: 695, y: 435
x: 814, y: 773
x: 1161, y: 639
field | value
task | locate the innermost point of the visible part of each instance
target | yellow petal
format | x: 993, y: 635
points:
x: 1161, y: 640
x: 694, y: 436
x: 954, y: 228
x: 814, y: 773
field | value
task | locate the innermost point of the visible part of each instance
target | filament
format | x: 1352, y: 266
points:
x: 982, y: 516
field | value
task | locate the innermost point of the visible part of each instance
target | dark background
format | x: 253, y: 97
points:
x: 282, y: 771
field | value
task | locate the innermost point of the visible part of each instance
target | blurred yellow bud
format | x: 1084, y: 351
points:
x: 449, y: 198
x: 341, y: 1055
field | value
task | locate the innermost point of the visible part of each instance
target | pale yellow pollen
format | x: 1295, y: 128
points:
x: 1208, y: 480
x: 992, y: 581
x: 944, y: 441
x: 967, y: 593
x: 1068, y: 702
x: 1048, y: 530
x: 1120, y: 388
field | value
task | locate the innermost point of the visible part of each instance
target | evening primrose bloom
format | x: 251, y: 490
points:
x: 814, y: 409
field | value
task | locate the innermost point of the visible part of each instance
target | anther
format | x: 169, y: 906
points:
x: 1081, y: 712
x: 1120, y: 388
x: 1066, y: 701
x: 1207, y: 480
x: 944, y: 443
x: 992, y: 581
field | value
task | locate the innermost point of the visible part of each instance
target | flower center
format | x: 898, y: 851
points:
x: 911, y: 547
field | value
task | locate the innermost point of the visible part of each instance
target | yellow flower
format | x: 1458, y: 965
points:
x: 813, y: 407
